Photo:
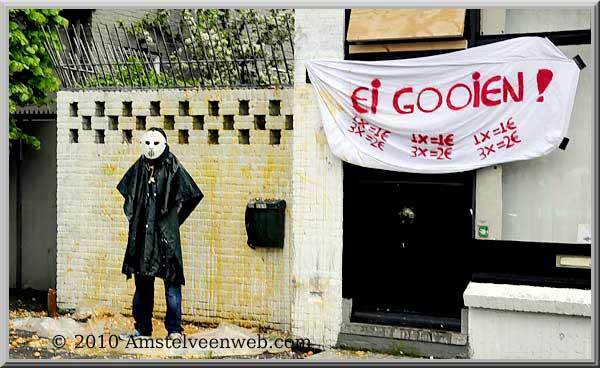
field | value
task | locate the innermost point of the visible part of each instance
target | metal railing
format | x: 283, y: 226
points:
x: 197, y: 50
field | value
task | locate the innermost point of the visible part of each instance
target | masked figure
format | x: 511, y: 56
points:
x: 159, y: 196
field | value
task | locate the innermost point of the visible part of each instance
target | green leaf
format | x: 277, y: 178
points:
x: 30, y: 67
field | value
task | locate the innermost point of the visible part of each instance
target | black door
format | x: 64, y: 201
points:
x: 405, y: 242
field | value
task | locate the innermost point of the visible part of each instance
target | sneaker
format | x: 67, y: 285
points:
x: 132, y: 334
x: 175, y: 336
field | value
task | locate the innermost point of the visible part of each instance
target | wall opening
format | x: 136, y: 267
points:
x: 86, y: 122
x: 127, y: 108
x: 73, y: 109
x: 213, y: 108
x: 140, y: 123
x: 184, y: 108
x: 113, y: 123
x: 244, y: 136
x: 99, y: 108
x: 274, y: 107
x: 184, y: 136
x: 244, y: 107
x: 73, y: 136
x: 154, y: 108
x: 260, y: 122
x: 289, y: 122
x: 198, y: 122
x: 99, y: 136
x: 127, y: 136
x: 213, y: 136
x: 169, y: 122
x: 228, y: 122
x: 275, y: 136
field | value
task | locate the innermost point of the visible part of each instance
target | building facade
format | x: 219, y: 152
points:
x: 450, y: 297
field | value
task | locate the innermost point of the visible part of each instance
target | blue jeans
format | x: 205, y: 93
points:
x: 143, y: 305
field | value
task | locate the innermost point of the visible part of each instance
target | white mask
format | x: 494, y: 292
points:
x: 153, y: 144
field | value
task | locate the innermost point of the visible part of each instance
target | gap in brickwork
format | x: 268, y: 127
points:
x: 274, y: 107
x: 244, y: 136
x: 140, y: 123
x: 154, y: 108
x: 228, y: 122
x: 99, y: 108
x: 169, y: 123
x: 213, y: 136
x: 113, y: 123
x: 289, y: 122
x: 275, y: 136
x: 73, y: 136
x: 86, y: 122
x: 184, y: 136
x: 99, y: 136
x: 184, y: 108
x: 127, y: 108
x: 198, y: 122
x: 127, y: 136
x: 260, y: 122
x: 73, y: 108
x: 213, y: 107
x: 244, y: 107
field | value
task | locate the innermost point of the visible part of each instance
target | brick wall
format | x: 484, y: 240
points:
x: 317, y: 182
x: 234, y: 150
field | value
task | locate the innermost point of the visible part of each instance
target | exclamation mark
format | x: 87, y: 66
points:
x: 544, y: 76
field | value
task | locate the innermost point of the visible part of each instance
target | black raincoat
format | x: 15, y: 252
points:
x: 155, y: 209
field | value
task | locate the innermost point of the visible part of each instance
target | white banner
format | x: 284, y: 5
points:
x: 486, y: 105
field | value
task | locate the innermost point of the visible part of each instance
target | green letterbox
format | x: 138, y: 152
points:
x: 265, y: 223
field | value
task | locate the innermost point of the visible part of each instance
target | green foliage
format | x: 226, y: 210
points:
x: 132, y: 73
x: 30, y: 66
x: 217, y: 35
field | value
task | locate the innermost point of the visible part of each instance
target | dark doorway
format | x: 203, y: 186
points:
x: 32, y: 236
x: 405, y: 246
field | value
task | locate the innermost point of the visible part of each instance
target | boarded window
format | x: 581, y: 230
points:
x: 405, y: 24
x: 408, y: 46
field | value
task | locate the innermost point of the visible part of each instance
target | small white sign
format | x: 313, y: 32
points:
x: 584, y: 235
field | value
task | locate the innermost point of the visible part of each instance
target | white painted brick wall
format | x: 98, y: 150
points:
x: 226, y: 280
x: 317, y: 194
x: 528, y: 322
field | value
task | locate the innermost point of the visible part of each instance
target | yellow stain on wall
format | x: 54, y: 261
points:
x: 109, y: 169
x: 246, y: 173
x: 225, y: 279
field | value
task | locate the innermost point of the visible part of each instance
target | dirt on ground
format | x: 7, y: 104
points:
x: 29, y: 308
x: 32, y: 335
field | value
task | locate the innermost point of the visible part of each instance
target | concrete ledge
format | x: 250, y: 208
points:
x: 404, y: 333
x: 525, y: 298
x: 406, y: 348
x: 395, y: 339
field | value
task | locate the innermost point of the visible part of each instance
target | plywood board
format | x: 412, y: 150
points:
x: 402, y: 24
x: 408, y: 46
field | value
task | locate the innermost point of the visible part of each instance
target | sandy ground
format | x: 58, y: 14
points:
x: 28, y: 308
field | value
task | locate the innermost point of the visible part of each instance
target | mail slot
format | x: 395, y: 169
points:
x: 265, y: 223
